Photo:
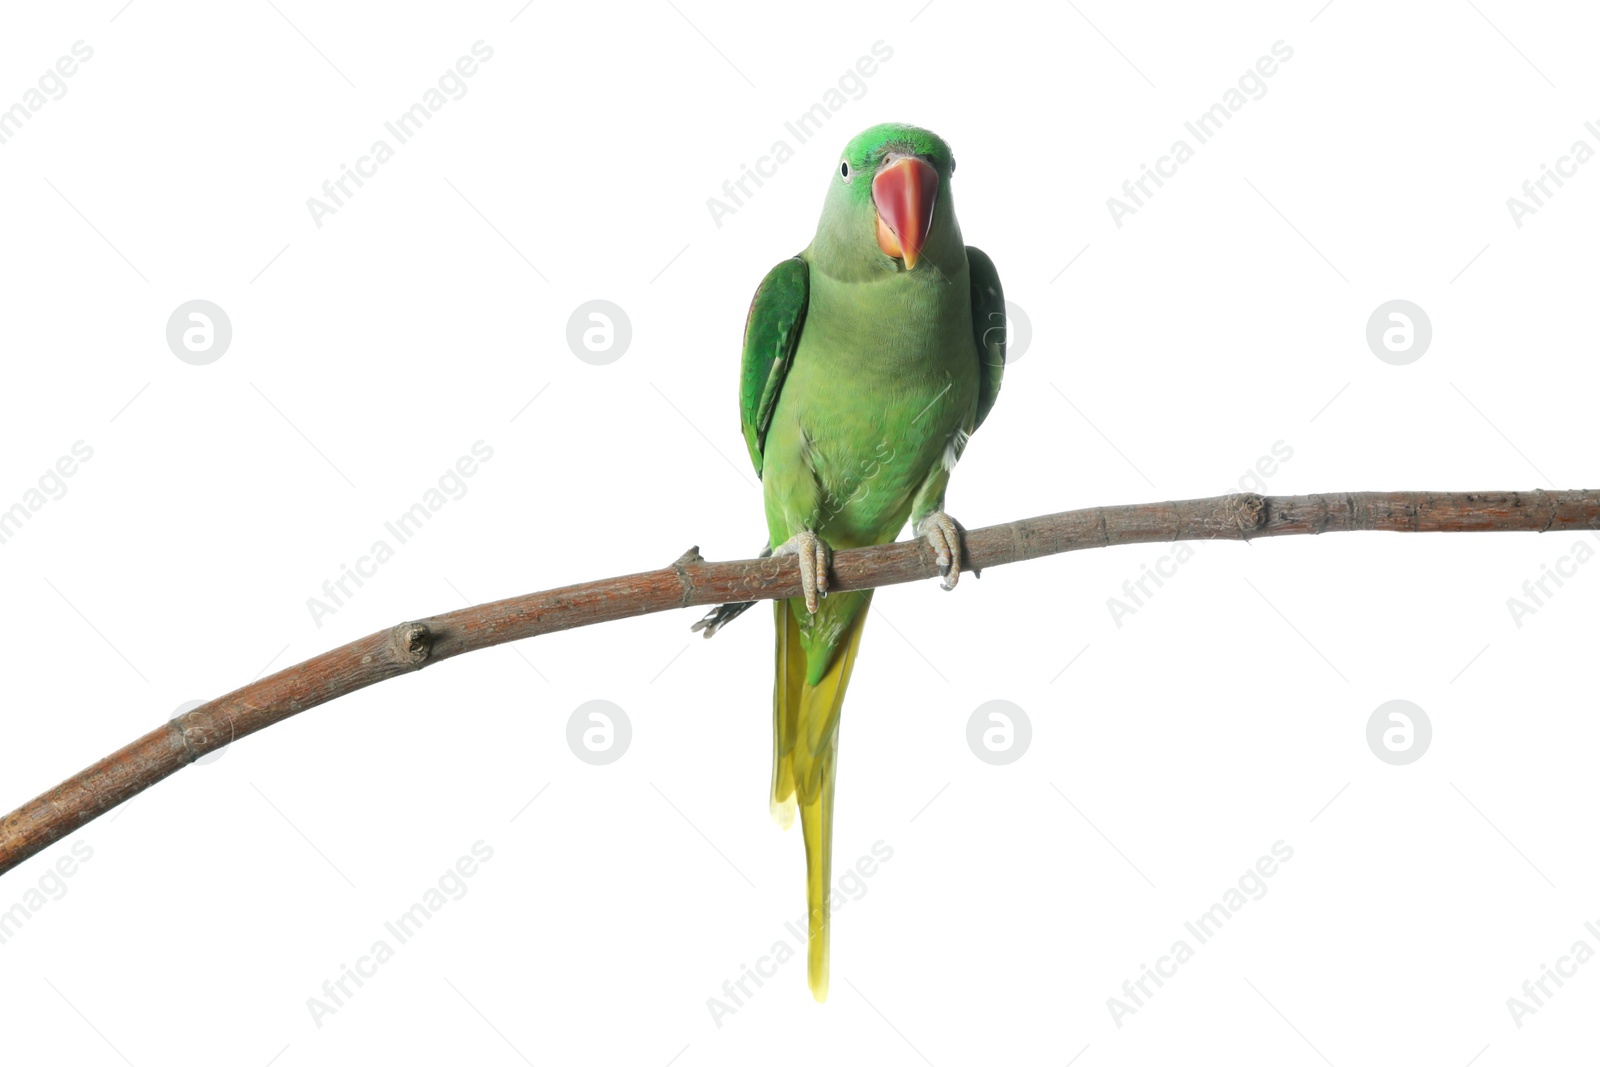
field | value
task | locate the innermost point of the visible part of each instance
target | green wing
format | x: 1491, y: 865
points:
x: 988, y: 327
x: 771, y: 335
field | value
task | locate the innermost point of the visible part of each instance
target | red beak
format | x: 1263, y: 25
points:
x: 904, y: 193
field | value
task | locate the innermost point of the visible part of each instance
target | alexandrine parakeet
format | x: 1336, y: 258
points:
x: 869, y: 360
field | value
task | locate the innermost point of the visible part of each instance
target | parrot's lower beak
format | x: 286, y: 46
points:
x: 904, y: 192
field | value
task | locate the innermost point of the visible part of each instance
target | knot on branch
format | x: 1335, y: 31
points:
x: 1245, y: 511
x: 411, y: 643
x: 692, y: 555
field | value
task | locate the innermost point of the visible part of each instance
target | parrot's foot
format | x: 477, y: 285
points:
x: 814, y: 554
x: 945, y: 537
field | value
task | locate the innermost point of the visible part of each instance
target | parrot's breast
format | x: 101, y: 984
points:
x: 884, y: 378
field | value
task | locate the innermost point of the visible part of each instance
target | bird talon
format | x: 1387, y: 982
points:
x: 813, y: 555
x: 944, y: 535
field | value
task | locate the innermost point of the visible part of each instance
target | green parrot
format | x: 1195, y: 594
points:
x: 869, y: 360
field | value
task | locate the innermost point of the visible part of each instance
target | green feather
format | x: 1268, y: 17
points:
x: 771, y: 331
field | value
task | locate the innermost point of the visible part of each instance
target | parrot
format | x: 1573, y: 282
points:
x: 869, y: 360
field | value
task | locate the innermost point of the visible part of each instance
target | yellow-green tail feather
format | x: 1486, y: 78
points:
x: 805, y: 748
x: 788, y: 679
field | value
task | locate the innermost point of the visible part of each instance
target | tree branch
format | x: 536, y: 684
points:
x: 690, y: 580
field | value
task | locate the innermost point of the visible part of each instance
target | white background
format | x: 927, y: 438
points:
x: 368, y: 354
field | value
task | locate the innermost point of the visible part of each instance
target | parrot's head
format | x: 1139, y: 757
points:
x: 888, y: 204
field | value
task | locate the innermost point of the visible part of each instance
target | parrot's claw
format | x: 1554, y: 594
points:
x: 814, y: 555
x: 945, y: 537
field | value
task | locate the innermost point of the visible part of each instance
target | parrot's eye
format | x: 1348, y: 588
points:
x: 844, y: 170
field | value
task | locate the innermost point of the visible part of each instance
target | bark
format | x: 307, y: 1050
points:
x: 690, y: 581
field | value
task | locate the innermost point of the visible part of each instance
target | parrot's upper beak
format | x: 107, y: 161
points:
x: 904, y: 192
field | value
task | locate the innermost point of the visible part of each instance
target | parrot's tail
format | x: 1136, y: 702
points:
x: 720, y: 616
x: 805, y: 747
